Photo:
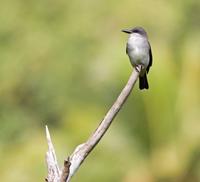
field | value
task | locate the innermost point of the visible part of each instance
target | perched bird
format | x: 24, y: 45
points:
x: 139, y: 52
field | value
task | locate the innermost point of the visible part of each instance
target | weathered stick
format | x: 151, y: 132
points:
x: 72, y: 163
x: 52, y: 164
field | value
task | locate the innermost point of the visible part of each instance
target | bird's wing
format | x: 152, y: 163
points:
x: 150, y: 59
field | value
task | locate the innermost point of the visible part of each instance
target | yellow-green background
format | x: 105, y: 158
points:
x: 63, y: 63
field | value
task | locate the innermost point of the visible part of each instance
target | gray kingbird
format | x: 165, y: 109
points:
x: 139, y: 52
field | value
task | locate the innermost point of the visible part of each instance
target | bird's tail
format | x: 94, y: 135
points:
x: 143, y: 82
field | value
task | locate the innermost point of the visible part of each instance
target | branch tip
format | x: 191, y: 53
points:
x: 47, y: 133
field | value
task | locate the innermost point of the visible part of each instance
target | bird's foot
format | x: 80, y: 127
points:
x: 139, y: 68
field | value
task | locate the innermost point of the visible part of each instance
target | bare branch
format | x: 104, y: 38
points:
x: 52, y: 164
x: 82, y: 151
x: 73, y: 162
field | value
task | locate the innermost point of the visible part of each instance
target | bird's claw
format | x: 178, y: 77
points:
x: 138, y: 68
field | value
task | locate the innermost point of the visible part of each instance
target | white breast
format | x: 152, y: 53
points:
x: 138, y: 50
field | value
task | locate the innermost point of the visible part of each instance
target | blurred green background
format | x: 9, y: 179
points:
x: 63, y: 63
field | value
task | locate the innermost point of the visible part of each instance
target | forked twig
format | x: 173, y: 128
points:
x: 73, y: 162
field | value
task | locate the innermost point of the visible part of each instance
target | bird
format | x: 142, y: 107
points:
x: 139, y: 52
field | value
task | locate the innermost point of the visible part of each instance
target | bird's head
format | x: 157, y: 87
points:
x: 135, y: 30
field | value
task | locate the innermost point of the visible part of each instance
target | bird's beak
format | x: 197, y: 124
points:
x: 126, y: 31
